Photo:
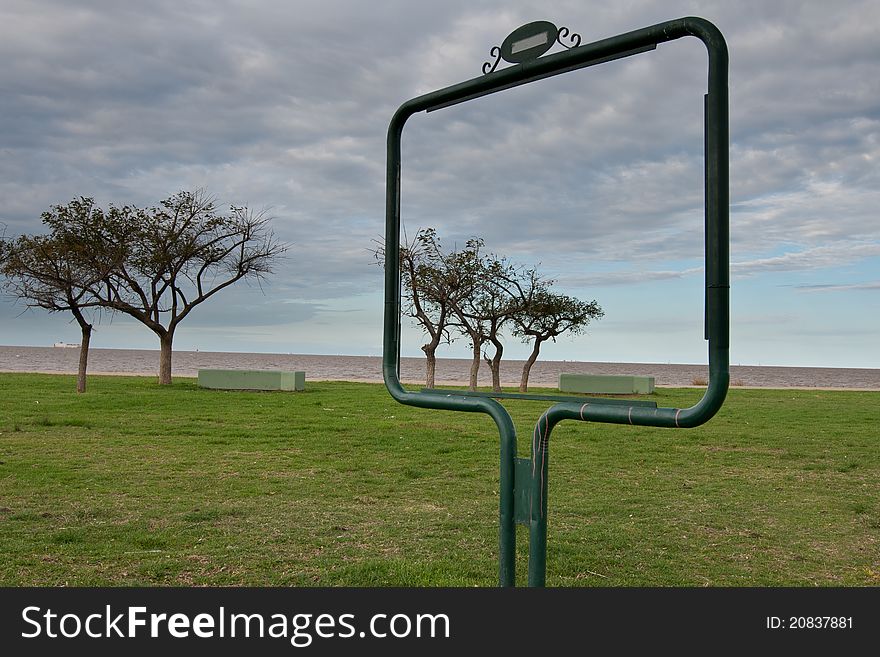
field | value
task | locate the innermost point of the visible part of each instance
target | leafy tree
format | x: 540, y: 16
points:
x: 56, y: 272
x: 155, y: 265
x: 544, y: 315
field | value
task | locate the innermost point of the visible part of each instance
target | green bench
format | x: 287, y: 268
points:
x: 252, y: 380
x: 606, y: 384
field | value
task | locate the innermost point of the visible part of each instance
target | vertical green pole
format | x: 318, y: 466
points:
x: 538, y: 501
x: 506, y: 519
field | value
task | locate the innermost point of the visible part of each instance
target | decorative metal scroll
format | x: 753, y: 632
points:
x: 530, y: 41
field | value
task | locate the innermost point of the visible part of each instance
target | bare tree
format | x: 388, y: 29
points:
x: 433, y: 284
x: 56, y: 273
x: 479, y: 295
x: 179, y: 255
x: 483, y: 314
x: 476, y: 315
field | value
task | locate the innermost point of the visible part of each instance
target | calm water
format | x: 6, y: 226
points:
x: 449, y: 370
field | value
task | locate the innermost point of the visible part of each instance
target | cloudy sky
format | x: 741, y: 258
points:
x: 595, y: 175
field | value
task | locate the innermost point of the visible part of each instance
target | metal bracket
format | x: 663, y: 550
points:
x: 522, y: 487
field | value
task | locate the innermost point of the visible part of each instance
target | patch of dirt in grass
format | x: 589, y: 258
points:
x: 753, y: 450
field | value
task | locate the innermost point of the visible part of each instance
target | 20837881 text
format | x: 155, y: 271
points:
x: 809, y: 622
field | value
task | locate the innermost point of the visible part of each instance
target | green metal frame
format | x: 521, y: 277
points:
x: 523, y: 482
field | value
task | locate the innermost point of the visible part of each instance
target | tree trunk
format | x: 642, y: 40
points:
x: 430, y: 368
x: 86, y: 329
x: 527, y: 368
x: 430, y: 350
x: 83, y: 357
x: 165, y: 358
x: 495, y: 365
x: 475, y: 365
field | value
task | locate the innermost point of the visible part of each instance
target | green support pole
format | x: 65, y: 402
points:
x: 538, y: 503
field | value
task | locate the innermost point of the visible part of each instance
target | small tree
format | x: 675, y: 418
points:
x: 543, y: 315
x: 434, y: 284
x: 487, y: 311
x: 56, y: 273
x: 472, y: 327
x: 476, y: 314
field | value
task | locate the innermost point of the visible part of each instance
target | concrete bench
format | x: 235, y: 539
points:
x: 252, y: 380
x: 606, y: 384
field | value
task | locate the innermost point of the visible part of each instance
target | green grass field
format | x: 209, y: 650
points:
x: 137, y: 484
